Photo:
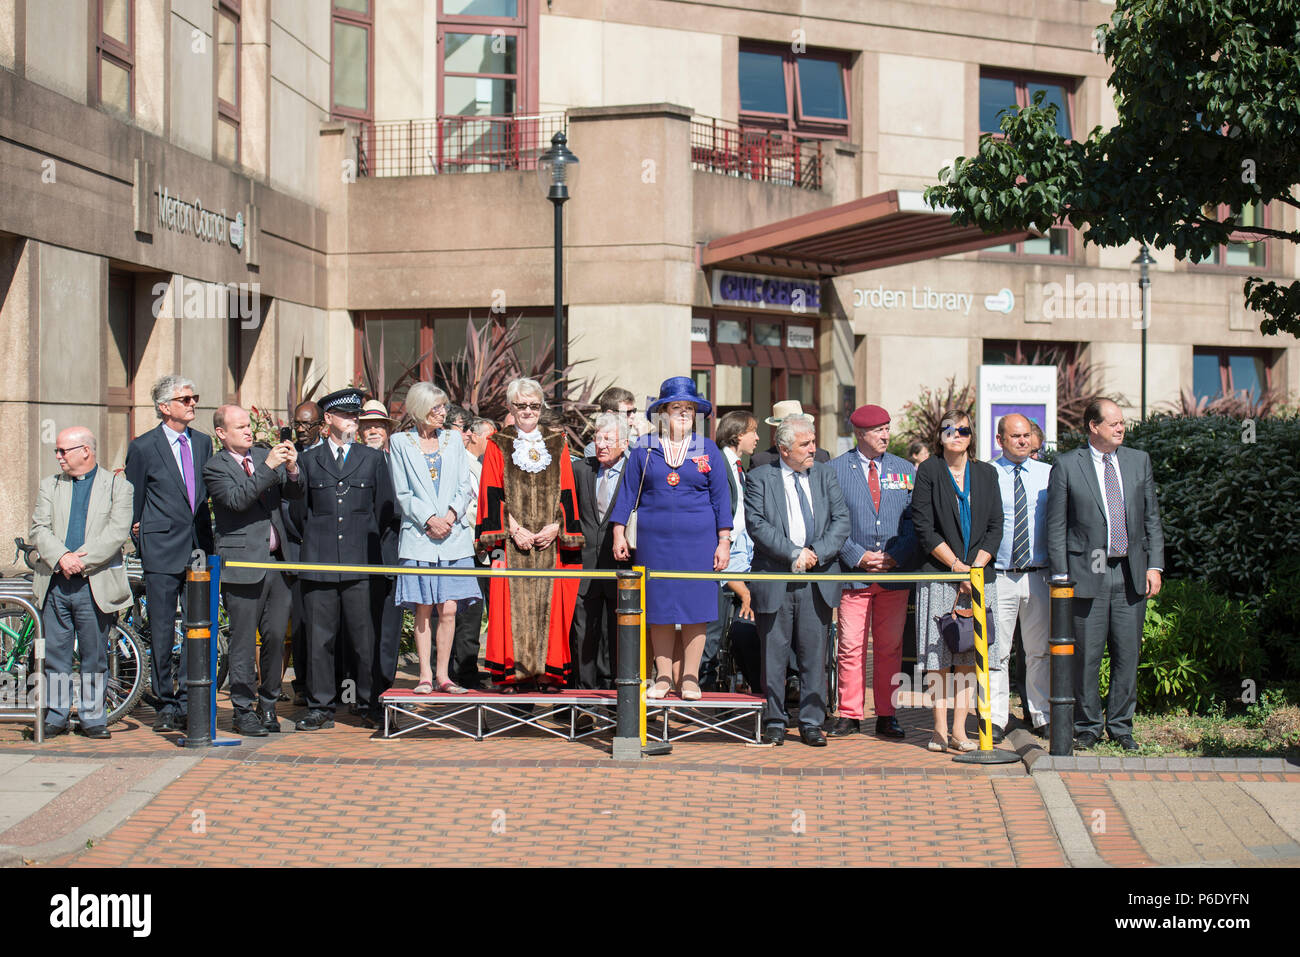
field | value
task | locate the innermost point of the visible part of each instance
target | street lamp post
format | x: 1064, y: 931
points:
x: 556, y: 168
x: 1143, y: 262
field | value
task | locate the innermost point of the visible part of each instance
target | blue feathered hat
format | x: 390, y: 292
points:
x: 679, y: 388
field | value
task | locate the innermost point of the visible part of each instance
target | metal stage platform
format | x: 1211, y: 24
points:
x: 569, y: 714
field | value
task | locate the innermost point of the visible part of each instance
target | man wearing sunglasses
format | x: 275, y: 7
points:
x: 172, y: 527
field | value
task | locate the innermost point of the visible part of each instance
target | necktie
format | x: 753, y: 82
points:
x: 602, y: 494
x: 804, y: 507
x: 740, y: 472
x: 1021, y: 556
x: 338, y: 459
x: 873, y: 481
x: 187, y: 467
x: 1115, y: 509
x: 248, y: 467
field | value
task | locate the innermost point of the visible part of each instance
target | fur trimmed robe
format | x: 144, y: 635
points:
x: 529, y: 618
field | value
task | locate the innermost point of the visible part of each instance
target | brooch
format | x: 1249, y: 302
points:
x: 531, y: 456
x: 702, y: 464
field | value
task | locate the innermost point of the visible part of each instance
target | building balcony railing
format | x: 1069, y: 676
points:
x: 455, y: 144
x: 769, y: 156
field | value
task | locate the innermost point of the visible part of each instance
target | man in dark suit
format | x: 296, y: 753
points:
x: 1104, y: 533
x: 593, y: 636
x: 796, y: 514
x: 170, y: 515
x: 247, y: 485
x: 308, y: 420
x: 347, y: 515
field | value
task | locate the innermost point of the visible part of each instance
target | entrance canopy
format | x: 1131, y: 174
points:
x: 882, y: 230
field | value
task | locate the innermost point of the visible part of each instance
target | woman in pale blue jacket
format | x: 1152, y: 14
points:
x: 435, y: 489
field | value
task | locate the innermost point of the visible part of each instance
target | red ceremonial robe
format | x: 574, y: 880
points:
x: 529, y: 618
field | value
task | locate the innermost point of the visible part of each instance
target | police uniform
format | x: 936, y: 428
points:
x: 348, y: 513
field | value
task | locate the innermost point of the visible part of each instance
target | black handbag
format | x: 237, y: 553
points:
x: 958, y: 628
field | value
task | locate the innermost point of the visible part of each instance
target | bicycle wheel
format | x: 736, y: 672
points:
x: 127, y: 674
x: 223, y: 657
x: 16, y: 632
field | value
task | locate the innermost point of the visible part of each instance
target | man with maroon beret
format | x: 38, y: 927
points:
x: 878, y: 489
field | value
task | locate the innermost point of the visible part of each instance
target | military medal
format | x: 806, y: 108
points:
x: 673, y: 458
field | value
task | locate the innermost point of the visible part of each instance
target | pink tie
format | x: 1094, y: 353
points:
x: 248, y: 467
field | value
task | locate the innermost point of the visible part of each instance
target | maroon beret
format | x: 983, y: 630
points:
x: 869, y: 417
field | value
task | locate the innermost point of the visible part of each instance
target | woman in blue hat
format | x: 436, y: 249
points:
x: 676, y: 481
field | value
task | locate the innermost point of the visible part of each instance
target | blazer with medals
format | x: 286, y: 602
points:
x: 170, y: 530
x: 108, y: 528
x: 246, y: 507
x: 767, y: 522
x: 348, y: 515
x: 1076, y: 518
x: 890, y: 530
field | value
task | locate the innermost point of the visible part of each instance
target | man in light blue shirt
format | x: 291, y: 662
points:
x: 1021, y: 562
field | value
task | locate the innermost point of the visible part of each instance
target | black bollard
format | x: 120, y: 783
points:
x: 1061, y: 743
x: 627, y: 732
x: 198, y: 658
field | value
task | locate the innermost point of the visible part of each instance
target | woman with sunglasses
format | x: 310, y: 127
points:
x: 527, y: 518
x: 957, y: 512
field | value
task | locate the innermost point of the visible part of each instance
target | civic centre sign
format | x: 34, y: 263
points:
x: 766, y: 292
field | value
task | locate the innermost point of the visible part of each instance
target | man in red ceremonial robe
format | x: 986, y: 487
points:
x: 528, y: 518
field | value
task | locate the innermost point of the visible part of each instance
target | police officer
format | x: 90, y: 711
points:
x: 350, y: 510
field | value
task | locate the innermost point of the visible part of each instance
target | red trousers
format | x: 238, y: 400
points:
x: 886, y: 612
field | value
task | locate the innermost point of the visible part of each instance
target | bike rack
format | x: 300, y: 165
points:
x: 37, y: 717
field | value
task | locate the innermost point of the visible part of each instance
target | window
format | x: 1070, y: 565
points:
x: 1239, y: 253
x: 351, y: 60
x: 1055, y: 243
x: 750, y: 363
x: 1001, y: 90
x: 805, y: 93
x: 228, y: 81
x: 1217, y: 372
x: 115, y: 55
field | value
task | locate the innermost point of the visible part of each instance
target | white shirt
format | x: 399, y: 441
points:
x: 737, y: 517
x: 173, y: 438
x: 794, y: 514
x: 334, y: 449
x: 1099, y: 464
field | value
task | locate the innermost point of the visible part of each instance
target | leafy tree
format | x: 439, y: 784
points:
x: 1208, y: 96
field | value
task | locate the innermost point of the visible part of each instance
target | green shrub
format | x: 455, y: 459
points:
x: 1279, y: 623
x: 1196, y: 646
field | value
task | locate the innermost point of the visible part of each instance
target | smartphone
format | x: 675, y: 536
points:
x: 286, y: 434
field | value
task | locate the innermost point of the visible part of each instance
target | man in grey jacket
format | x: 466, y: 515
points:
x: 1104, y: 533
x: 247, y: 485
x: 81, y: 521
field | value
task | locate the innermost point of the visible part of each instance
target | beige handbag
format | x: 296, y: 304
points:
x: 629, y: 530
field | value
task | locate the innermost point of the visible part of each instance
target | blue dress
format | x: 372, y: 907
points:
x: 677, y: 526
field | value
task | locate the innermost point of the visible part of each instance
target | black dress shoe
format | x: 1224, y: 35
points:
x: 1040, y: 731
x: 813, y: 737
x: 1126, y: 742
x: 54, y: 730
x: 299, y: 699
x: 887, y: 726
x: 998, y: 734
x: 249, y: 725
x: 774, y: 734
x: 99, y: 733
x: 166, y: 720
x: 315, y: 721
x: 283, y: 698
x: 1084, y: 740
x: 843, y: 727
x: 269, y: 721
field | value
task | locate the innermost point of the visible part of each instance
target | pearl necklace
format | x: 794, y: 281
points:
x: 674, y: 457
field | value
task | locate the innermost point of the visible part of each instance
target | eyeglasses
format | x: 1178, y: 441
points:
x: 302, y: 426
x: 186, y: 399
x: 64, y: 452
x: 964, y: 431
x: 528, y: 406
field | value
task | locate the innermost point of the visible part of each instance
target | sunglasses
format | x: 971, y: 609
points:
x: 186, y: 399
x: 528, y: 406
x: 964, y: 431
x: 65, y: 452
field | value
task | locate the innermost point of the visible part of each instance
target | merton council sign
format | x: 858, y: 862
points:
x: 189, y: 218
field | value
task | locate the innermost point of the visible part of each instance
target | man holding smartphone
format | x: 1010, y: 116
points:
x: 247, y: 485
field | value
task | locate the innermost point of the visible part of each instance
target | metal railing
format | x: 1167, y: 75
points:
x: 769, y: 156
x: 455, y: 144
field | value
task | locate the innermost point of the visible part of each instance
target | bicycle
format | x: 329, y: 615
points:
x: 126, y: 663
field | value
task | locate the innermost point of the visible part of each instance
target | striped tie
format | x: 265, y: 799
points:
x: 1115, y: 509
x: 1021, y: 555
